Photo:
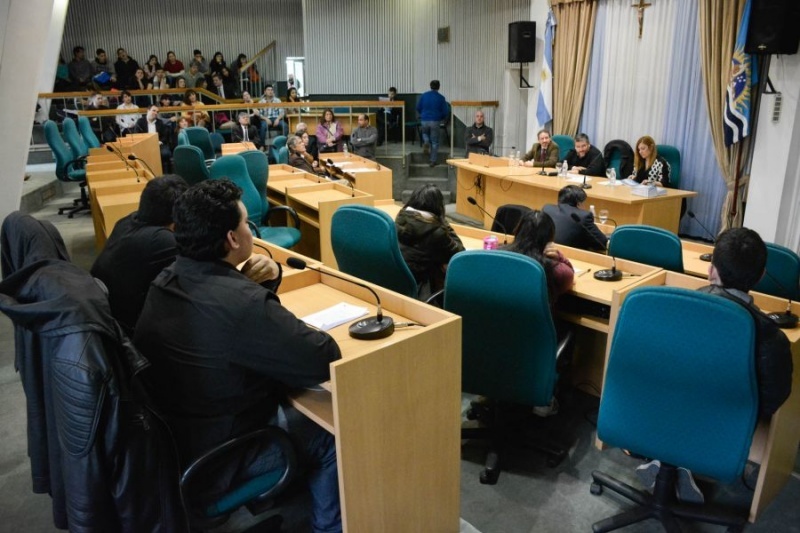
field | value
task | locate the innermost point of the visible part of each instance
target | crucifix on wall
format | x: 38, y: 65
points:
x: 640, y: 6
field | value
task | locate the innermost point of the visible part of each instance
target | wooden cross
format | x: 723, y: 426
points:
x: 640, y: 7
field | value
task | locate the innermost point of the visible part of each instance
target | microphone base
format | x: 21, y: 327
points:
x: 586, y: 186
x: 608, y: 274
x: 369, y: 329
x: 784, y: 320
x: 705, y: 257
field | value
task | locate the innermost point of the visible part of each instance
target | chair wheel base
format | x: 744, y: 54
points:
x: 489, y: 477
x: 596, y: 489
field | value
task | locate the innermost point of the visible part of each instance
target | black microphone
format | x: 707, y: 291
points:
x: 132, y: 157
x: 585, y: 185
x: 544, y: 152
x: 787, y: 319
x: 342, y: 175
x: 474, y: 202
x: 608, y: 274
x: 372, y: 328
x: 703, y: 257
x: 119, y: 154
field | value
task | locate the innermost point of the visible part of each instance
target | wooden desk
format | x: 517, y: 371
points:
x: 774, y: 443
x: 144, y: 146
x: 692, y: 264
x: 371, y: 177
x: 493, y: 186
x: 106, y: 181
x: 349, y: 121
x: 235, y: 148
x: 282, y: 179
x: 315, y: 205
x: 393, y: 406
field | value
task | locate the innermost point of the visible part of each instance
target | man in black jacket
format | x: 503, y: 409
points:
x: 139, y: 248
x: 224, y: 350
x: 152, y: 123
x: 574, y: 225
x: 738, y: 263
x: 586, y: 159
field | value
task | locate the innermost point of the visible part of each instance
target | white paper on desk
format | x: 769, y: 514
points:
x: 607, y: 183
x: 342, y: 163
x: 578, y: 178
x: 333, y: 316
x: 361, y: 169
x: 579, y: 272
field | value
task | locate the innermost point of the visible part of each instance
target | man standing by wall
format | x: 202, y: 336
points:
x: 432, y: 109
x: 479, y: 136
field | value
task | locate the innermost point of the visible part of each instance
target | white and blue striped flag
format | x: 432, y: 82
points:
x: 544, y: 108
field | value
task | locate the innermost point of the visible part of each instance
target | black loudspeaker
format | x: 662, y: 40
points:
x: 773, y: 27
x: 522, y: 42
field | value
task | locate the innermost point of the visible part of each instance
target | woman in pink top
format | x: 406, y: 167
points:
x: 329, y: 133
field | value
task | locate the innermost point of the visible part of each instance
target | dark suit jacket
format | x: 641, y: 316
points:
x: 252, y: 134
x: 569, y: 232
x: 161, y: 129
x: 593, y: 161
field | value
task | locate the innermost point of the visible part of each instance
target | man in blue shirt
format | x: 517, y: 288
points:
x: 432, y: 109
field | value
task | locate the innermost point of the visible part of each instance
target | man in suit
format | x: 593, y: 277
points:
x: 574, y: 225
x: 245, y: 132
x: 586, y: 159
x: 152, y: 123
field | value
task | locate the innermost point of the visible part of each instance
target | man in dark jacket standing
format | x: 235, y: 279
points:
x: 224, y: 350
x: 432, y: 109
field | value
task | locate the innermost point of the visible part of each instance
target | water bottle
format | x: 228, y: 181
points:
x: 344, y: 149
x: 490, y: 243
x: 511, y: 157
x: 592, y: 211
x: 613, y: 178
x: 517, y: 160
x: 564, y: 168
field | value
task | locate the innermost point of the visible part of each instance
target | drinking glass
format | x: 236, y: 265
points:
x: 603, y: 216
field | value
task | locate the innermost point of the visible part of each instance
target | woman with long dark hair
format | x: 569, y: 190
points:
x: 427, y: 241
x: 534, y: 237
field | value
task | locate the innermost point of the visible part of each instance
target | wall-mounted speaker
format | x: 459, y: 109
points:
x: 774, y: 27
x: 522, y: 42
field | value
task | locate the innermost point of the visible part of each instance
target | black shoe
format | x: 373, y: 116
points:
x: 432, y: 164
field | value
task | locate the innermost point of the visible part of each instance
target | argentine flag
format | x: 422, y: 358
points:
x: 736, y: 114
x: 544, y: 108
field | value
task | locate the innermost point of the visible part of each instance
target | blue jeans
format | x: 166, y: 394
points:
x: 316, y: 453
x: 430, y: 135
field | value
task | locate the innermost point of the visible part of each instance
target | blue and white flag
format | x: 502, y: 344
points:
x: 743, y: 76
x: 544, y: 108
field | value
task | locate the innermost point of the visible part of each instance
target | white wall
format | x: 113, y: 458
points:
x: 773, y: 198
x: 21, y: 67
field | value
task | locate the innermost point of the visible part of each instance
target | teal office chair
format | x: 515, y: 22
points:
x: 565, y: 144
x: 277, y: 143
x: 648, y: 245
x: 257, y: 494
x: 364, y: 241
x: 74, y: 140
x: 88, y: 134
x: 217, y: 140
x: 190, y: 164
x: 283, y: 156
x: 673, y: 157
x: 659, y: 399
x: 783, y: 273
x: 198, y: 136
x: 509, y: 343
x: 69, y: 168
x: 183, y: 140
x: 234, y: 168
x: 618, y: 155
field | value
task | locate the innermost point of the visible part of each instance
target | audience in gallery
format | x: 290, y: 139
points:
x: 309, y: 140
x: 181, y: 124
x: 128, y: 121
x: 272, y: 117
x: 160, y: 80
x: 586, y: 159
x: 173, y: 66
x: 217, y: 64
x: 648, y: 166
x: 199, y: 61
x: 300, y: 158
x: 195, y: 116
x: 427, y: 242
x: 543, y: 153
x: 245, y: 132
x: 151, y: 67
x: 534, y: 236
x: 193, y: 76
x: 292, y: 96
x: 329, y: 132
x: 103, y: 74
x: 364, y: 138
x: 80, y: 69
x: 575, y: 226
x: 126, y: 68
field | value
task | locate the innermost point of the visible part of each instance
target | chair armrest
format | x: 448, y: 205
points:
x: 286, y: 208
x: 562, y: 345
x: 253, y: 229
x: 437, y: 298
x: 76, y: 164
x: 268, y: 435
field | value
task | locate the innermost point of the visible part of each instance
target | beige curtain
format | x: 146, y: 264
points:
x: 718, y: 24
x: 572, y: 50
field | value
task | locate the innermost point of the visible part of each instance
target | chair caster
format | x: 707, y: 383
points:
x: 489, y: 477
x: 596, y: 489
x: 555, y: 460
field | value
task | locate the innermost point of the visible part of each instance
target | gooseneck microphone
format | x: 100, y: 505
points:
x: 703, y: 257
x: 342, y: 175
x: 371, y: 328
x: 474, y: 202
x: 786, y: 319
x: 132, y: 157
x: 608, y: 274
x: 119, y: 154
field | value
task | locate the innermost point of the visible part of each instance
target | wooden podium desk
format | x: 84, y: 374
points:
x: 315, y: 205
x: 144, y: 146
x: 235, y: 148
x: 692, y: 264
x: 280, y: 180
x: 393, y: 406
x: 775, y: 442
x: 493, y: 186
x: 371, y: 177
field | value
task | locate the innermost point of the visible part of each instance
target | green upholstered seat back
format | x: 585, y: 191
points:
x: 648, y: 245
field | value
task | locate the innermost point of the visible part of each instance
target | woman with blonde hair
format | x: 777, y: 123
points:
x: 648, y: 166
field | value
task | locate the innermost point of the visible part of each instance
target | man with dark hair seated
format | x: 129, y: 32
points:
x: 581, y: 233
x: 738, y: 263
x: 224, y: 351
x: 138, y: 249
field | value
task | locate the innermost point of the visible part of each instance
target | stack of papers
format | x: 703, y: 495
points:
x: 335, y: 315
x: 648, y: 191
